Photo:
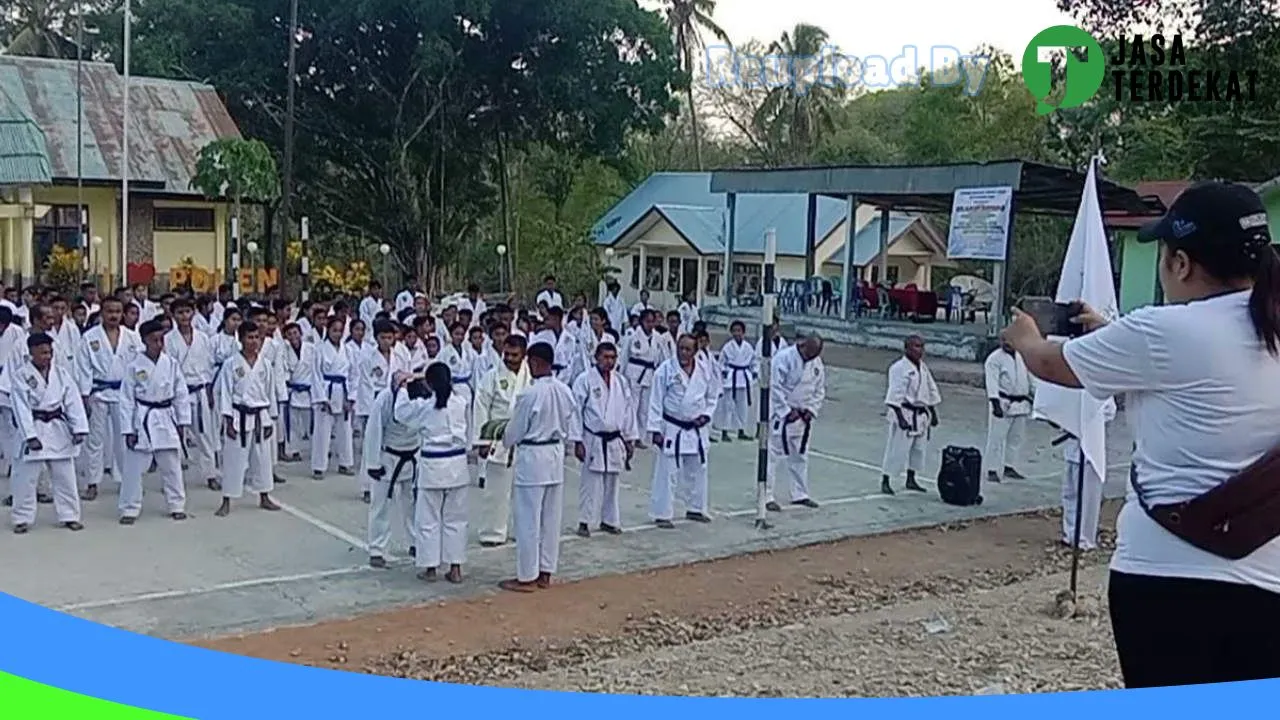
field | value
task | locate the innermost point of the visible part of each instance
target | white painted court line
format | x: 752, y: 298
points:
x: 234, y: 585
x: 328, y: 528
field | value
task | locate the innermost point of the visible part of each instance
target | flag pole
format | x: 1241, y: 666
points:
x: 767, y: 304
x: 124, y: 153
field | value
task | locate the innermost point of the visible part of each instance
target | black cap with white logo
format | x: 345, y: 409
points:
x: 1213, y: 217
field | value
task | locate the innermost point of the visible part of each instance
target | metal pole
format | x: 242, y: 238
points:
x: 306, y: 258
x: 1075, y: 539
x: 124, y: 159
x: 235, y: 257
x: 80, y: 210
x: 286, y: 204
x: 768, y: 291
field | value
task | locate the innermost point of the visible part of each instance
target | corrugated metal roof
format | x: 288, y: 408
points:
x: 170, y: 121
x: 687, y: 202
x: 23, y: 158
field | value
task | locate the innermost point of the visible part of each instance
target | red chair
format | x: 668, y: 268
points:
x: 927, y: 306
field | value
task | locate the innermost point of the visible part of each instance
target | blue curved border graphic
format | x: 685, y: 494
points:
x: 82, y: 657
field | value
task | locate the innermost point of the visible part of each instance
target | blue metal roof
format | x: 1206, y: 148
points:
x: 685, y: 199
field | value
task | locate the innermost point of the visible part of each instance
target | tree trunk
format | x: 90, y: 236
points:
x: 693, y: 117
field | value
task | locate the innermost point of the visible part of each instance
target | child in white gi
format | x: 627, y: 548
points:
x: 154, y: 412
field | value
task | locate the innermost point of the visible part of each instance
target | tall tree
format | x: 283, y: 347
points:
x: 801, y: 101
x: 687, y: 20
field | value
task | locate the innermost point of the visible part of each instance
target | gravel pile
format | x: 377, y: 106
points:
x: 795, y: 625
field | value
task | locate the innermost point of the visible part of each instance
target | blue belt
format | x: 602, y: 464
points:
x: 337, y: 380
x: 442, y: 454
x: 731, y: 374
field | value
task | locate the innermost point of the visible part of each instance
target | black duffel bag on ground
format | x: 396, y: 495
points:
x: 960, y: 480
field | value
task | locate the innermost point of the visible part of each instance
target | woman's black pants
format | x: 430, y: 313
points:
x: 1177, y: 631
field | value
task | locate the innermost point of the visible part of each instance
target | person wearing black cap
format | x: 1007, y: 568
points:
x: 52, y: 425
x: 1194, y: 590
x: 544, y: 419
x: 154, y: 413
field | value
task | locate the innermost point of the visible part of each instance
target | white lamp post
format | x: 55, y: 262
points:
x: 502, y: 268
x: 385, y: 250
x: 252, y: 248
x: 97, y: 257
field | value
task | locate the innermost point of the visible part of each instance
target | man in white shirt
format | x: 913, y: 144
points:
x: 371, y: 305
x: 549, y: 296
x: 1009, y: 392
x: 911, y: 402
x: 640, y: 307
x: 799, y: 389
x: 614, y: 308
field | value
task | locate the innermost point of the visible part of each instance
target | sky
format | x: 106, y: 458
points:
x: 864, y: 29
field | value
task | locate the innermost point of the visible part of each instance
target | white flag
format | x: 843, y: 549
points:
x: 1086, y: 275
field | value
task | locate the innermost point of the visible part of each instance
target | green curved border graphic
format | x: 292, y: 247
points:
x: 26, y: 699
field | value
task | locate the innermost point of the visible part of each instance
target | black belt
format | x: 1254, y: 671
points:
x: 100, y: 385
x: 153, y: 406
x: 645, y: 366
x: 406, y: 457
x: 804, y: 438
x: 195, y: 390
x: 606, y: 438
x: 48, y: 416
x: 686, y: 425
x: 1062, y: 438
x: 539, y: 443
x: 1015, y: 398
x: 244, y: 411
x: 557, y: 368
x: 733, y: 380
x: 916, y: 411
x: 295, y: 388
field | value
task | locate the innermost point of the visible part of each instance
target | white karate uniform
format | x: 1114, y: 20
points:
x: 641, y: 307
x: 374, y: 377
x: 552, y: 298
x: 100, y: 370
x: 411, y: 360
x: 688, y: 316
x: 392, y: 446
x: 13, y: 346
x: 404, y: 301
x: 486, y: 359
x: 779, y: 343
x: 440, y: 513
x: 1091, y: 499
x: 909, y: 387
x: 607, y: 425
x: 616, y: 311
x: 568, y: 356
x: 196, y: 360
x: 543, y: 420
x: 682, y: 458
x: 370, y: 306
x: 738, y: 368
x: 495, y: 400
x: 153, y: 405
x: 34, y: 394
x: 793, y: 385
x: 296, y: 370
x: 334, y: 378
x: 246, y: 394
x: 588, y: 341
x: 1008, y: 383
x: 666, y: 343
x: 638, y: 360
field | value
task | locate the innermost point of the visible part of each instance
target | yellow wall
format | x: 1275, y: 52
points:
x: 207, y: 249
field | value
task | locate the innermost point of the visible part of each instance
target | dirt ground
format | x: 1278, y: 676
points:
x: 512, y: 639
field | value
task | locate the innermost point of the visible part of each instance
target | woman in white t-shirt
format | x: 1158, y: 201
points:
x: 1201, y: 377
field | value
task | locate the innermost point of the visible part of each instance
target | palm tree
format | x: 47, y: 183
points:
x: 687, y: 20
x: 797, y: 110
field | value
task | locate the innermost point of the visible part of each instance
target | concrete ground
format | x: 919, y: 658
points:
x: 256, y: 570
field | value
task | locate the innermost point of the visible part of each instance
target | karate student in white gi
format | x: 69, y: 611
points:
x: 12, y: 343
x: 680, y: 407
x: 1009, y: 392
x: 440, y: 512
x: 154, y: 413
x: 911, y: 414
x: 495, y: 401
x: 371, y: 305
x: 667, y: 340
x: 297, y: 364
x: 194, y: 353
x: 333, y: 402
x: 638, y: 309
x: 1091, y: 502
x: 52, y: 427
x: 549, y: 295
x: 544, y: 419
x: 688, y: 312
x: 375, y: 376
x: 105, y: 352
x: 568, y: 357
x: 640, y: 357
x: 593, y: 333
x: 608, y: 439
x: 614, y: 309
x: 738, y: 367
x: 247, y: 404
x: 797, y: 390
x: 390, y: 458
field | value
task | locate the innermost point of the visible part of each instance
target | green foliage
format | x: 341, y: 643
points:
x: 238, y: 169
